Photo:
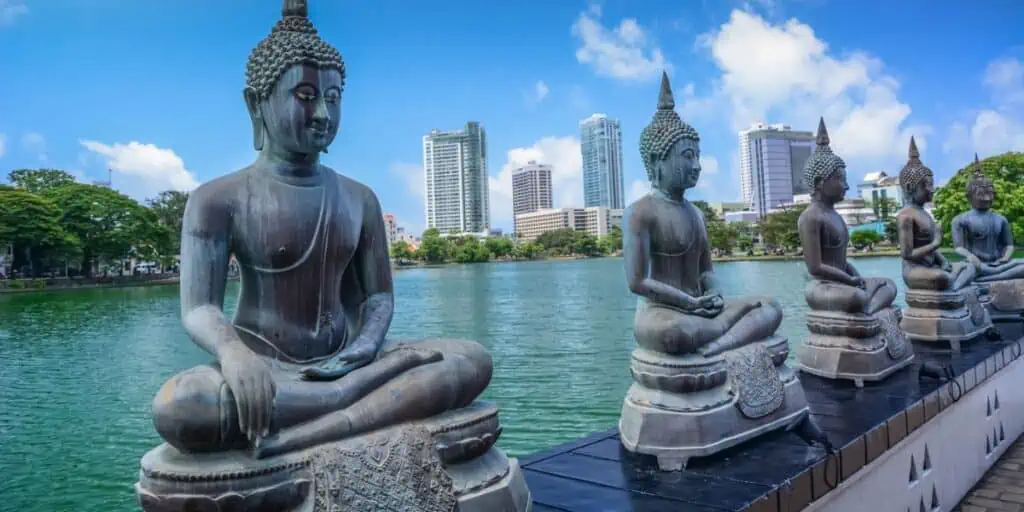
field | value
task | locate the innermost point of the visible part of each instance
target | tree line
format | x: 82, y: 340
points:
x: 435, y: 249
x: 54, y: 222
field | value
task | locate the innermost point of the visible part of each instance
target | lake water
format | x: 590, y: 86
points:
x: 78, y: 369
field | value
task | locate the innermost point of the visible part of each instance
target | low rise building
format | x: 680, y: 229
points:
x: 595, y: 220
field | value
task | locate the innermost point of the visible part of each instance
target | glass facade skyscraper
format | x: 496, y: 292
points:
x: 601, y: 148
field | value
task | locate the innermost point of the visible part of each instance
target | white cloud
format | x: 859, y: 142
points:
x: 541, y: 90
x: 3, y: 144
x: 784, y: 72
x: 637, y: 189
x: 10, y: 10
x: 624, y: 52
x: 708, y: 165
x: 561, y: 153
x: 35, y: 143
x: 1000, y: 126
x: 143, y: 170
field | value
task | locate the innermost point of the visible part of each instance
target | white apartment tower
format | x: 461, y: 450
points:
x: 455, y: 177
x: 531, y: 190
x: 601, y: 148
x: 772, y: 159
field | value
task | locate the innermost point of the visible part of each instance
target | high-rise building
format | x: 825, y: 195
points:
x: 772, y: 159
x: 601, y: 148
x: 390, y: 228
x: 455, y: 177
x: 531, y: 189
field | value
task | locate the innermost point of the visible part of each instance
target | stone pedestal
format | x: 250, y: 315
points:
x: 855, y: 347
x: 681, y: 407
x: 1004, y: 301
x: 425, y: 466
x: 945, y: 316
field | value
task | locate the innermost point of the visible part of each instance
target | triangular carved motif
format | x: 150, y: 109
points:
x: 995, y: 437
x: 988, y: 407
x: 997, y: 400
x: 988, y: 445
x: 935, y: 498
x: 922, y: 505
x: 1002, y: 433
x: 913, y: 470
x: 927, y: 465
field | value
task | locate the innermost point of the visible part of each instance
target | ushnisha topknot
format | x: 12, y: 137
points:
x: 664, y: 130
x: 978, y: 180
x: 914, y: 171
x: 823, y: 163
x: 293, y: 40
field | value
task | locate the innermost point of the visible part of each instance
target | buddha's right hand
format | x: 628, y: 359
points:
x: 248, y: 377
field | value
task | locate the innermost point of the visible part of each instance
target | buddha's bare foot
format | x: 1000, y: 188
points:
x: 334, y: 426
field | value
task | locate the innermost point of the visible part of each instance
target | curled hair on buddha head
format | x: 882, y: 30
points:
x: 978, y: 180
x: 664, y: 130
x: 914, y: 172
x: 823, y: 163
x: 293, y: 40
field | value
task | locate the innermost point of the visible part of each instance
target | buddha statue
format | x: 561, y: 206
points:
x: 709, y: 372
x: 854, y: 328
x: 307, y: 401
x: 942, y: 298
x: 984, y: 238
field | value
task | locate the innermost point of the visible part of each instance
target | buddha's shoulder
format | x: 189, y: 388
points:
x: 218, y: 193
x: 352, y: 186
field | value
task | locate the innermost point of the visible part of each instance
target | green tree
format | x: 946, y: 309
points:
x: 865, y: 238
x: 585, y: 244
x: 527, y: 250
x: 472, y: 251
x: 32, y: 225
x: 433, y: 248
x: 39, y: 181
x: 559, y: 241
x: 400, y: 251
x: 779, y: 229
x: 109, y: 225
x: 951, y: 199
x: 169, y: 207
x: 892, y: 232
x: 499, y: 246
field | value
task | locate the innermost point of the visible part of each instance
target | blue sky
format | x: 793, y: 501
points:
x: 152, y: 90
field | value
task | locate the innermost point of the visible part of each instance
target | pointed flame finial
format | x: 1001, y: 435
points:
x: 977, y: 166
x: 665, y: 100
x: 913, y: 154
x: 822, y: 138
x: 298, y: 8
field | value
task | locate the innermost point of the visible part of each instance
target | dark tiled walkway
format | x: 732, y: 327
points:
x: 1002, y: 488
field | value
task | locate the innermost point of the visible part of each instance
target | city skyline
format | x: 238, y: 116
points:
x: 167, y: 112
x: 601, y: 156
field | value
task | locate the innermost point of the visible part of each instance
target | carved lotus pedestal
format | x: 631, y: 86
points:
x: 940, y: 317
x: 1004, y: 301
x: 434, y: 465
x: 681, y: 407
x: 855, y: 347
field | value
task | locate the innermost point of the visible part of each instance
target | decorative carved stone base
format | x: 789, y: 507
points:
x: 680, y: 407
x: 945, y: 317
x: 854, y: 347
x: 425, y: 466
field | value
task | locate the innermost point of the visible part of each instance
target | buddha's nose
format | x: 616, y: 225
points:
x: 321, y: 114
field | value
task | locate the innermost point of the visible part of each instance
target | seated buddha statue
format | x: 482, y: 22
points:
x: 854, y: 328
x: 306, y: 359
x: 942, y: 298
x: 983, y: 237
x: 688, y: 334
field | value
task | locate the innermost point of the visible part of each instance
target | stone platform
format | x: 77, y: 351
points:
x: 908, y: 433
x: 945, y: 318
x: 854, y: 347
x: 1004, y: 301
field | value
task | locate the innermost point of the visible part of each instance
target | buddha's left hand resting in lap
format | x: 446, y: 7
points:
x: 305, y: 359
x: 837, y: 286
x: 668, y: 258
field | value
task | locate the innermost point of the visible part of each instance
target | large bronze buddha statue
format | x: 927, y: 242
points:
x: 942, y: 299
x: 984, y: 238
x: 709, y: 372
x: 305, y: 382
x: 854, y: 329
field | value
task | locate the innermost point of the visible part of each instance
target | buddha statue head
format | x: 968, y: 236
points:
x: 825, y: 171
x: 980, y: 190
x: 293, y: 89
x: 669, y: 147
x: 916, y: 180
